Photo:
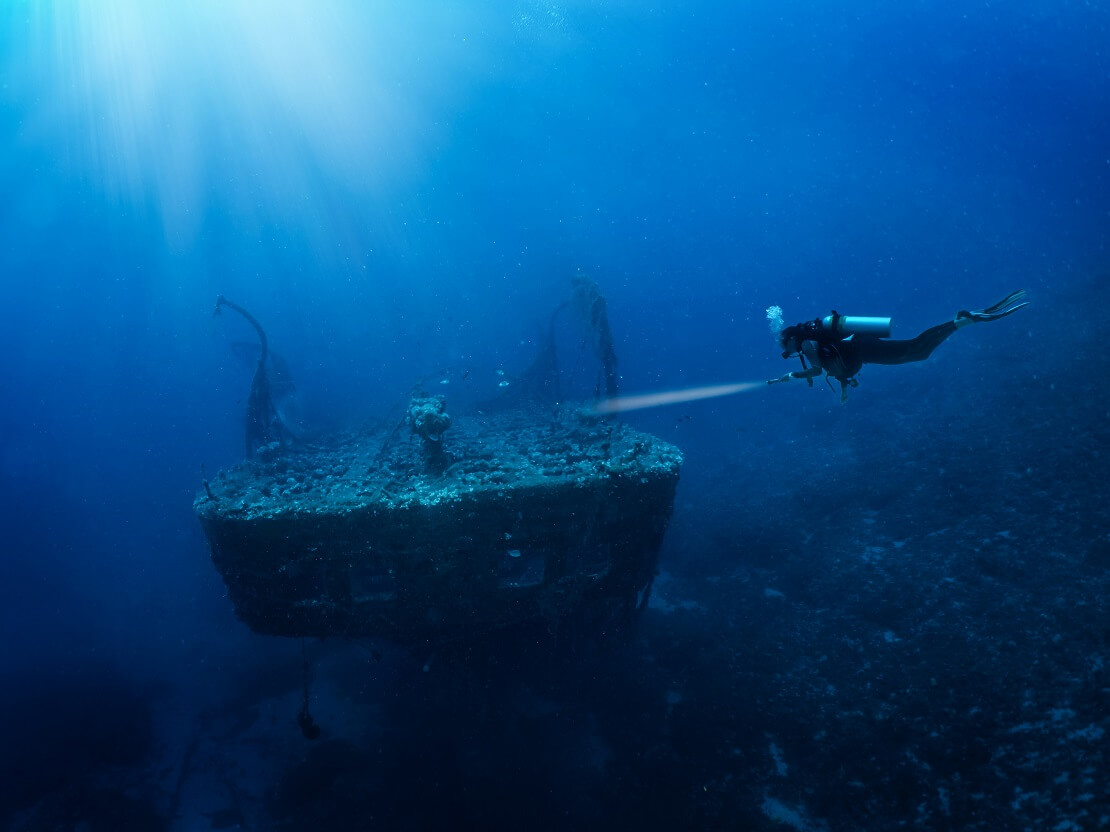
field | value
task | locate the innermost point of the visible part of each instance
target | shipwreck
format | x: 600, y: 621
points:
x: 448, y: 527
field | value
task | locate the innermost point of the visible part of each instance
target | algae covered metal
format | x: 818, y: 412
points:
x: 448, y: 530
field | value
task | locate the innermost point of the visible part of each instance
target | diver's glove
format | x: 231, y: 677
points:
x: 1007, y: 306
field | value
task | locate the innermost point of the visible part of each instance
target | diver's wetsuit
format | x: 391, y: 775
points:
x: 847, y: 356
x: 841, y: 358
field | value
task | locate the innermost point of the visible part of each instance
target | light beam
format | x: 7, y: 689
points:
x: 622, y: 404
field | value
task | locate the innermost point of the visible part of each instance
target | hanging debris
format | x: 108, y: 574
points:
x: 540, y: 383
x: 591, y: 307
x: 264, y: 424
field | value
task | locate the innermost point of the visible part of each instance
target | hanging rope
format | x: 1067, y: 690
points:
x: 263, y: 423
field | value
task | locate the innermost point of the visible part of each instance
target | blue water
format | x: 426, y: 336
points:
x: 889, y: 613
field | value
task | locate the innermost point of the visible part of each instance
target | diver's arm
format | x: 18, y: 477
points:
x: 808, y: 373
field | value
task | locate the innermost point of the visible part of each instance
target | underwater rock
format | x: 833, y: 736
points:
x: 530, y: 520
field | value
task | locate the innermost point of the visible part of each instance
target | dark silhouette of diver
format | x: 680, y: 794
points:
x: 839, y: 346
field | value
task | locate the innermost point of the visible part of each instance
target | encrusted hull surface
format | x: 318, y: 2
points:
x: 509, y: 520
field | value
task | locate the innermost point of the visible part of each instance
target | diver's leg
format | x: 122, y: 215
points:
x: 877, y: 351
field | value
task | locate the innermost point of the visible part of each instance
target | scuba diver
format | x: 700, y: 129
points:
x: 838, y: 345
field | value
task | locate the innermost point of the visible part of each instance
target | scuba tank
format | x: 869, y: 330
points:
x: 827, y: 330
x: 842, y: 326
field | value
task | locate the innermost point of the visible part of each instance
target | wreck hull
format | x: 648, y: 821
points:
x: 453, y: 558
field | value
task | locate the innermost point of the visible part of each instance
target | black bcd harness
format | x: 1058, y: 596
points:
x: 826, y: 341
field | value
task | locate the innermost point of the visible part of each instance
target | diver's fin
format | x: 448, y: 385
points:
x: 1007, y: 306
x: 1011, y: 303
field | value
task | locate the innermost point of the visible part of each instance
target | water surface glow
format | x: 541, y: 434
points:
x: 270, y: 112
